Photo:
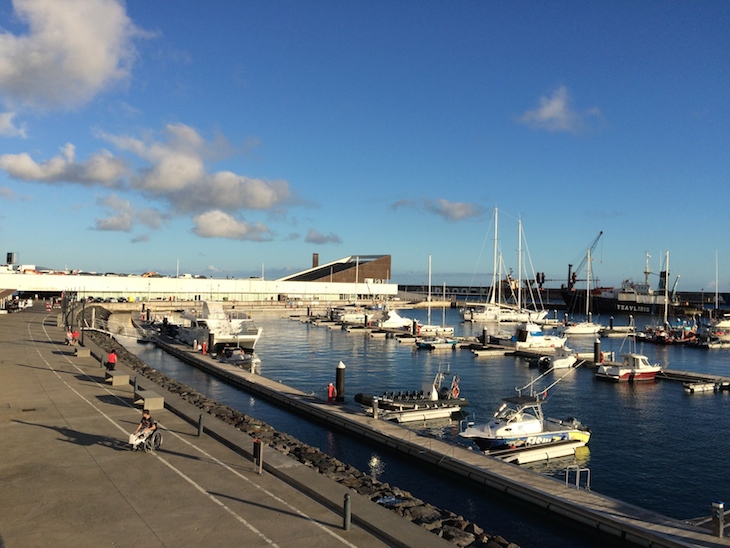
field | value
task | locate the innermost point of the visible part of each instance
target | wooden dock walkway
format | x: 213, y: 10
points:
x: 695, y: 381
x: 626, y: 521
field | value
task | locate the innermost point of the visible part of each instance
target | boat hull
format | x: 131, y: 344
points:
x: 626, y: 376
x: 489, y: 445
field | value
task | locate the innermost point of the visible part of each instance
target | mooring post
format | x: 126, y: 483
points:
x: 347, y: 514
x: 258, y: 455
x: 718, y: 518
x: 340, y: 382
x: 200, y: 425
x: 375, y: 407
x: 597, y: 351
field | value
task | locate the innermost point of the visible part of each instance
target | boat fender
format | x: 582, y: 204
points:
x: 455, y: 391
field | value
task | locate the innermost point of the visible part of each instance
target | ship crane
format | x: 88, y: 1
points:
x: 573, y: 275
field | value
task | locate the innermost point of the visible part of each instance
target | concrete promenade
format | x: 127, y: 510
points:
x: 68, y: 477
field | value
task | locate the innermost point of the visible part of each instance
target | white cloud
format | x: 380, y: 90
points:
x: 217, y: 224
x: 8, y: 128
x: 5, y: 192
x: 100, y: 169
x: 453, y: 211
x: 72, y: 50
x: 315, y: 237
x: 177, y: 173
x: 123, y: 216
x: 555, y: 113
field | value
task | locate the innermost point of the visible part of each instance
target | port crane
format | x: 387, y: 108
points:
x: 573, y: 274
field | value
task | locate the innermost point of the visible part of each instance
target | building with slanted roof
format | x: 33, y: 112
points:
x: 352, y: 269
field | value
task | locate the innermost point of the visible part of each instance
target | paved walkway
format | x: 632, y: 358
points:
x: 68, y: 477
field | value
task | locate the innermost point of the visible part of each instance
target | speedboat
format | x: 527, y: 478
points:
x: 434, y: 394
x: 562, y: 358
x: 529, y: 336
x: 632, y: 367
x: 216, y: 329
x: 239, y: 357
x: 519, y: 422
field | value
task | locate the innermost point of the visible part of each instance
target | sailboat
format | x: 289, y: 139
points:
x: 495, y: 310
x: 587, y: 327
x: 430, y: 330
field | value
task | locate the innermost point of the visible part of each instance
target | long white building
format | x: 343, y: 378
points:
x: 347, y: 279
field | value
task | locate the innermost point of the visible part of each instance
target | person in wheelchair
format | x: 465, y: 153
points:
x: 146, y: 436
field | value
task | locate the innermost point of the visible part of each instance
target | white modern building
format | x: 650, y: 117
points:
x: 351, y: 278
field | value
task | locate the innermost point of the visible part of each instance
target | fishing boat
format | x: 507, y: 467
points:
x: 520, y: 423
x: 632, y: 367
x: 630, y: 298
x: 215, y: 329
x: 439, y: 393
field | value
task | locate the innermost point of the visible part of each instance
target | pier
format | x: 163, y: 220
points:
x: 625, y: 521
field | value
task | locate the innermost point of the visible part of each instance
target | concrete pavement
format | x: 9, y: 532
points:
x: 68, y: 477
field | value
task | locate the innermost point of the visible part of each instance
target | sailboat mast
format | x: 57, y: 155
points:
x: 429, y: 290
x: 443, y: 307
x: 519, y: 265
x: 666, y: 288
x: 588, y: 284
x: 492, y: 296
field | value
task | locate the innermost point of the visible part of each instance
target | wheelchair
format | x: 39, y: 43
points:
x: 148, y: 442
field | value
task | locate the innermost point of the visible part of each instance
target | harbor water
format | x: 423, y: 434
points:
x: 653, y: 444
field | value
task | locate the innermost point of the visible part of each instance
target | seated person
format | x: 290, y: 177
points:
x: 145, y: 427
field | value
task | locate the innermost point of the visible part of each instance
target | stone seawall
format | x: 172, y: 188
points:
x: 443, y: 523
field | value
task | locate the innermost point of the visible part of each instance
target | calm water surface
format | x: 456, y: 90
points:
x: 652, y: 445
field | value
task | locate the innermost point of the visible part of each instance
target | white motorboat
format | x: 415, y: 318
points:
x: 529, y: 336
x: 562, y: 358
x: 520, y: 422
x: 632, y: 367
x: 216, y: 329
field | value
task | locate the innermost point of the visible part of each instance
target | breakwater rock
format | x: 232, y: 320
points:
x: 444, y: 523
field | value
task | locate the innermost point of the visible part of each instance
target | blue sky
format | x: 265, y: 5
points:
x: 233, y: 137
